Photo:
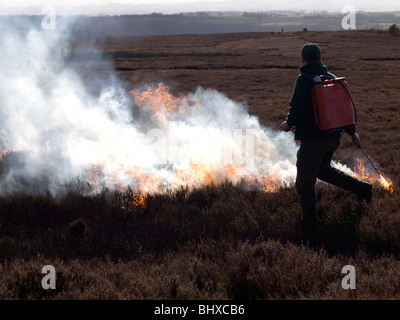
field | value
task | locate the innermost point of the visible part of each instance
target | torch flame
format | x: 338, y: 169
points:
x: 386, y: 184
x: 362, y: 173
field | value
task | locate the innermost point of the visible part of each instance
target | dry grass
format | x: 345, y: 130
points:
x: 218, y: 242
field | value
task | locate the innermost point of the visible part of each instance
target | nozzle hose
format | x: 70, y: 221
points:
x: 366, y: 155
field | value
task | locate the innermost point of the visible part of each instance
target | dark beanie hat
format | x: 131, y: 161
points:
x: 310, y: 48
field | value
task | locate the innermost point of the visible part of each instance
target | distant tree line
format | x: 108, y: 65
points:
x: 394, y: 30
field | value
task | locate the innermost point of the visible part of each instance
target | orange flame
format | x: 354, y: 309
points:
x: 362, y: 173
x: 132, y: 198
x: 269, y: 182
x: 4, y: 152
x: 94, y: 174
x: 162, y: 103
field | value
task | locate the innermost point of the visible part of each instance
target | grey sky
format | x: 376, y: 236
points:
x: 176, y: 6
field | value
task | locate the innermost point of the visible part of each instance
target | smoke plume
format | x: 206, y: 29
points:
x: 56, y: 128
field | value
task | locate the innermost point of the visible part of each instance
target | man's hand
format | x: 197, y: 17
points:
x: 356, y: 140
x: 285, y: 126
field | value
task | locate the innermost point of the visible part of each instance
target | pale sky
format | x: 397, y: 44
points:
x: 176, y: 6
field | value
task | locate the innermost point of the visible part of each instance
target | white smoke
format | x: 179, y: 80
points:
x: 56, y: 128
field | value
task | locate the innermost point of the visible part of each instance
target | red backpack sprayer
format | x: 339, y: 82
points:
x: 334, y: 110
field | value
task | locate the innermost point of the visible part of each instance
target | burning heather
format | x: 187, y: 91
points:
x: 56, y: 128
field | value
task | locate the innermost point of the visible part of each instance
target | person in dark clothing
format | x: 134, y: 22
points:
x: 316, y: 147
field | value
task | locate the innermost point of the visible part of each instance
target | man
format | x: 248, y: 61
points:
x: 316, y: 148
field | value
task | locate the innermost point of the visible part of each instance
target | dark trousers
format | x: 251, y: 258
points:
x: 314, y: 162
